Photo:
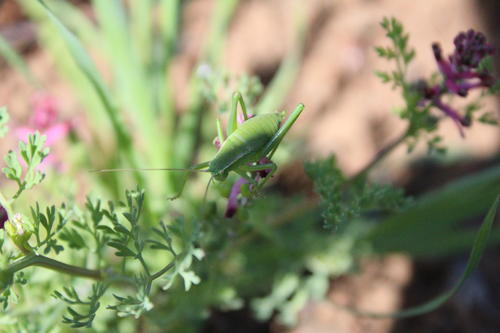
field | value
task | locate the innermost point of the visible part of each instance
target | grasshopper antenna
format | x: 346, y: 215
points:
x: 206, y: 190
x: 204, y: 204
x: 145, y: 169
x: 196, y: 168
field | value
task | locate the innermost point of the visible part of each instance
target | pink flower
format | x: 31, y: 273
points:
x: 45, y: 120
x: 45, y: 111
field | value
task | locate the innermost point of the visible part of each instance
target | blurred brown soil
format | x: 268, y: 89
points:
x: 377, y: 289
x: 348, y: 111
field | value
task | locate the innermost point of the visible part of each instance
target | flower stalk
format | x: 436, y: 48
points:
x: 34, y: 259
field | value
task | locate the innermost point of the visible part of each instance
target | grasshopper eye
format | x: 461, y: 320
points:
x: 220, y: 176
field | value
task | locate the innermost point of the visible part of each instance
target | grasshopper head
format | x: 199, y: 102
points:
x: 221, y: 176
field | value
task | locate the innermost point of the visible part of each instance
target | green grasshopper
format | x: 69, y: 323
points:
x: 245, y: 145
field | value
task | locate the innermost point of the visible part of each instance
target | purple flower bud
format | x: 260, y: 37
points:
x: 217, y: 143
x: 232, y: 202
x: 470, y: 49
x: 3, y: 217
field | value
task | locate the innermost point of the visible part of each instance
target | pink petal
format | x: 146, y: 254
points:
x: 45, y: 111
x: 56, y: 133
x: 23, y: 132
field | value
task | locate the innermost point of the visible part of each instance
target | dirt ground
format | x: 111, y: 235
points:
x: 349, y: 113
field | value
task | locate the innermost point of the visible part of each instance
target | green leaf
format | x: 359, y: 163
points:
x: 478, y: 248
x: 13, y: 170
x: 434, y: 145
x: 83, y: 318
x: 428, y: 228
x: 190, y: 278
x: 384, y: 76
x: 488, y: 118
x: 51, y: 226
x: 328, y: 181
x: 123, y: 250
x: 283, y: 288
x: 381, y: 51
x: 486, y: 65
x: 73, y: 238
x: 398, y: 52
x: 33, y: 154
x: 134, y: 305
x: 88, y: 67
x: 495, y: 89
x: 408, y: 57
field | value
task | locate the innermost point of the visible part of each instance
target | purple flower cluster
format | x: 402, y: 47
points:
x: 461, y: 72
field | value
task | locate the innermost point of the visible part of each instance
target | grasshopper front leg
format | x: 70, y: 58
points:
x: 233, y: 122
x: 260, y: 167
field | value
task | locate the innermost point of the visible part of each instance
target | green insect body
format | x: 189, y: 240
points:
x: 245, y: 144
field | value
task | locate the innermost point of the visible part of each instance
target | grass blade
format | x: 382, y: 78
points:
x: 16, y: 61
x: 131, y: 84
x: 141, y: 26
x: 475, y: 256
x: 420, y: 230
x: 85, y: 63
x: 87, y: 66
x: 190, y: 123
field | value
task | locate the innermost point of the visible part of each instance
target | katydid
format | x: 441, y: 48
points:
x: 245, y: 145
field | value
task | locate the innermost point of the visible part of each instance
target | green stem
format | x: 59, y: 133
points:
x: 42, y: 261
x: 33, y: 259
x: 380, y: 156
x: 162, y: 271
x: 143, y: 263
